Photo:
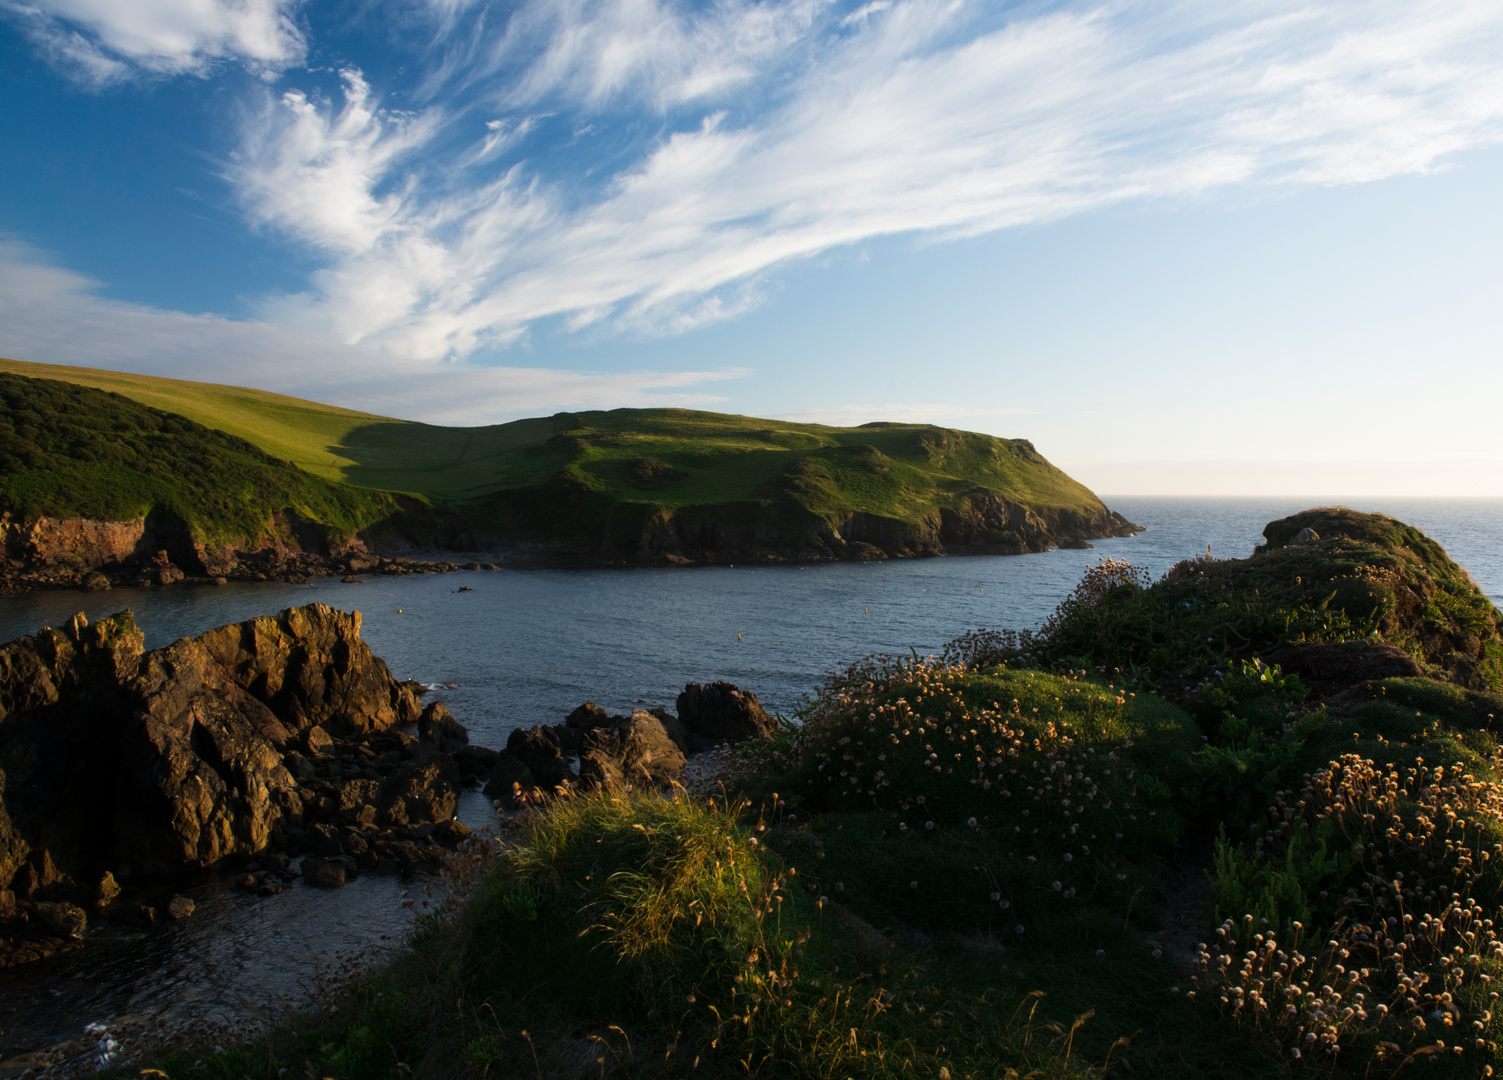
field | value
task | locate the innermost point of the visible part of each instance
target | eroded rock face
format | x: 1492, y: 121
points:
x: 310, y: 667
x: 201, y: 772
x: 63, y: 711
x: 722, y: 710
x: 439, y: 728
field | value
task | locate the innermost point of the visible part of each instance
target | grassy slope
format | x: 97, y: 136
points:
x: 303, y: 432
x: 897, y: 470
x: 73, y: 451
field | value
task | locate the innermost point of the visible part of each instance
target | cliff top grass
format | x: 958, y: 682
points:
x: 72, y: 451
x: 660, y: 457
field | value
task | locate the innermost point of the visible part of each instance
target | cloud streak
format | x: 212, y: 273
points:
x: 52, y: 315
x: 790, y: 129
x: 101, y: 42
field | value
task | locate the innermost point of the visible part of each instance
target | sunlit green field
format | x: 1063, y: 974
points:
x: 663, y: 457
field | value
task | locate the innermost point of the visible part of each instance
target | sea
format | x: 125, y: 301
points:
x: 512, y: 648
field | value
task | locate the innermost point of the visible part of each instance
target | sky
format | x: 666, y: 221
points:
x: 1242, y: 248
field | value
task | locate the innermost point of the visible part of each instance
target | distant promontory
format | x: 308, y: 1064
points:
x: 108, y: 478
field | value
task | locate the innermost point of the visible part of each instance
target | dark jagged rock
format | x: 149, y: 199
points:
x: 722, y: 711
x: 425, y: 789
x: 511, y: 781
x: 323, y: 873
x: 542, y: 750
x: 638, y: 753
x: 438, y: 728
x: 310, y: 666
x: 201, y: 775
x: 208, y: 752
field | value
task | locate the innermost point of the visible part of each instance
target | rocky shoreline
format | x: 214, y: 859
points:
x: 278, y: 748
x: 94, y: 556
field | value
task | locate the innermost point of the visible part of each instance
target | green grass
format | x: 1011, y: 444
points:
x: 904, y: 472
x: 303, y: 432
x: 71, y: 451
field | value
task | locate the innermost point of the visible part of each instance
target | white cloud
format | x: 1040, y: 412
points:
x: 105, y: 41
x: 54, y: 316
x: 929, y: 120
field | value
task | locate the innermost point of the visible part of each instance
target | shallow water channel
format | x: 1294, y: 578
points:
x: 525, y: 647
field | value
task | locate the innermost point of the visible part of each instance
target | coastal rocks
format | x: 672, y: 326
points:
x: 310, y: 667
x: 648, y: 748
x: 63, y: 710
x: 323, y: 873
x: 424, y: 790
x: 637, y: 753
x: 60, y: 919
x: 542, y: 750
x: 201, y: 777
x: 511, y: 782
x: 118, y: 766
x: 437, y: 727
x: 721, y: 711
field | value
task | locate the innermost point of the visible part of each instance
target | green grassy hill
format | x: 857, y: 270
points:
x: 71, y: 451
x: 602, y: 478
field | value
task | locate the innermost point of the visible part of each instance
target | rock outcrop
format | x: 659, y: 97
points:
x: 721, y: 711
x: 116, y: 763
x: 647, y: 749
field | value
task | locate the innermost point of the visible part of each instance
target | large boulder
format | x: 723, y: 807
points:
x: 634, y: 754
x: 423, y: 790
x: 723, y: 711
x: 310, y: 666
x: 111, y: 758
x: 63, y: 709
x: 511, y: 781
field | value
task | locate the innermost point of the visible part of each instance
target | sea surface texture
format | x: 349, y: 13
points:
x: 518, y: 648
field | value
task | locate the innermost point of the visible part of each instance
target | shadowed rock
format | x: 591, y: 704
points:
x: 438, y: 728
x: 722, y: 711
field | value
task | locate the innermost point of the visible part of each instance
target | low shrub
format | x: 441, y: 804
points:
x: 1361, y: 924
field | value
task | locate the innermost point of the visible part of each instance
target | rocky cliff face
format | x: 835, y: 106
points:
x: 985, y: 524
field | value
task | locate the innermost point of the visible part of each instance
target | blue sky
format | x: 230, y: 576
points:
x: 1241, y: 248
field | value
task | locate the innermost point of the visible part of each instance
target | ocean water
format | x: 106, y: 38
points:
x: 526, y: 647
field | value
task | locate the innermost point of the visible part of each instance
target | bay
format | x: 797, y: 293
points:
x: 517, y: 648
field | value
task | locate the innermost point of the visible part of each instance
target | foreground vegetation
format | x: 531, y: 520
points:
x: 1186, y: 864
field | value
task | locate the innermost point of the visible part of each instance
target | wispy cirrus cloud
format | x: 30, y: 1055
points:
x: 106, y: 41
x: 785, y: 130
x: 53, y: 315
